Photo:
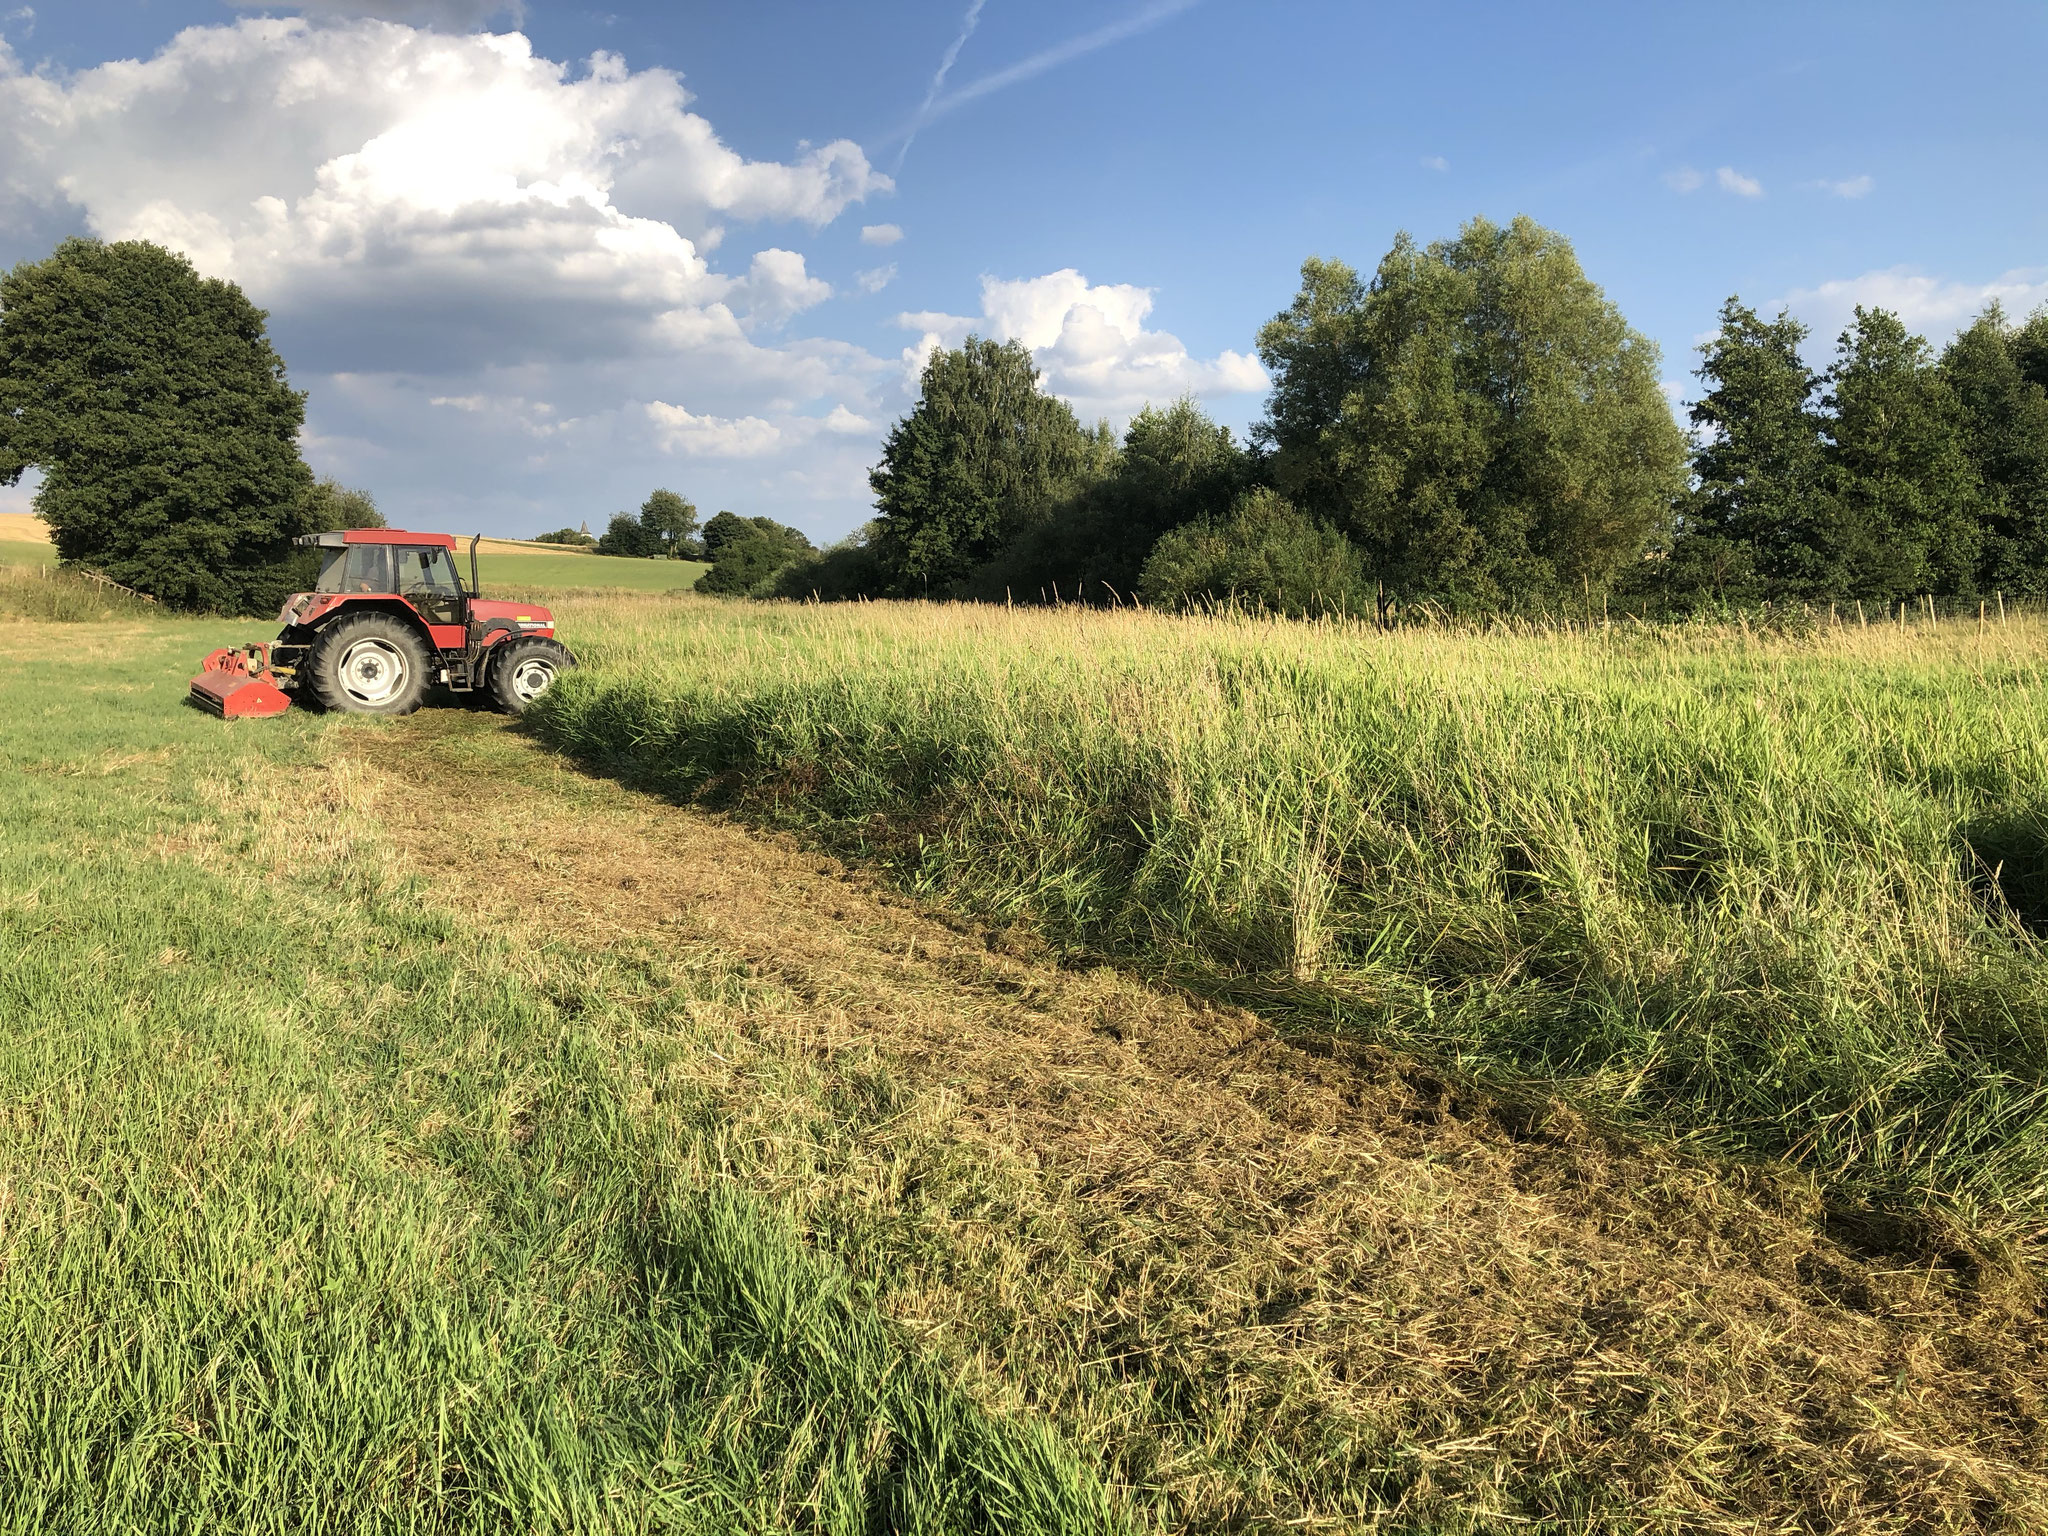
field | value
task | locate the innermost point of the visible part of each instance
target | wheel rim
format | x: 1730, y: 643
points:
x: 531, y: 677
x: 373, y: 672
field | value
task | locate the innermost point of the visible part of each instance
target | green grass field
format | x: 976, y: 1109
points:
x: 330, y: 1200
x: 504, y: 568
x: 26, y: 552
x: 530, y: 572
x: 324, y: 1209
x: 1772, y: 895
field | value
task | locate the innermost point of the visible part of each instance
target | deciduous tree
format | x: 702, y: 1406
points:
x: 1264, y: 555
x: 2005, y: 434
x: 159, y: 414
x: 750, y: 551
x: 1480, y: 420
x: 1762, y: 493
x: 984, y: 454
x: 331, y: 505
x: 626, y: 535
x: 674, y: 521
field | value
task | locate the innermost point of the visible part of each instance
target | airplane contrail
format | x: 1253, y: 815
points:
x: 967, y: 25
x: 937, y: 106
x: 1143, y: 21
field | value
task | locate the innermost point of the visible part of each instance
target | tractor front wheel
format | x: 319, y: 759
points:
x: 523, y: 670
x: 371, y: 664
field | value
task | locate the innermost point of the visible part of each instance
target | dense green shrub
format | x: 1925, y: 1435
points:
x: 1265, y: 556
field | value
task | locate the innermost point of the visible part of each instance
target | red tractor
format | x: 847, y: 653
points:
x: 388, y: 618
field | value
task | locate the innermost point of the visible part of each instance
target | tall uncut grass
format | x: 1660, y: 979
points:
x: 1777, y: 892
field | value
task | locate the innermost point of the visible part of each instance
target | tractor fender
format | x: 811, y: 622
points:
x: 397, y: 609
x: 495, y: 626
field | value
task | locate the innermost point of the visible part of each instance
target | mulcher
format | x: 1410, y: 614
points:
x: 388, y: 619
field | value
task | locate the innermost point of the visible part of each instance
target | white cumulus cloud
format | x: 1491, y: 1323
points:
x: 679, y: 431
x: 1732, y: 180
x: 1932, y: 306
x: 875, y: 279
x: 415, y: 180
x: 1090, y: 343
x: 880, y: 234
x: 777, y: 287
x: 1853, y: 187
x: 482, y: 263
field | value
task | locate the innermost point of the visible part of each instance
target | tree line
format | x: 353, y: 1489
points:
x: 1477, y: 427
x: 1474, y: 427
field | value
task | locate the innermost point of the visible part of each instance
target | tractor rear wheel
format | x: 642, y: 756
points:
x: 370, y: 664
x: 523, y: 670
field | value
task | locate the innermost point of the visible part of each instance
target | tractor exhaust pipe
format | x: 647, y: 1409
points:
x: 475, y: 590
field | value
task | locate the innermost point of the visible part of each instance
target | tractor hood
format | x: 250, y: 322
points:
x: 528, y: 616
x: 532, y: 618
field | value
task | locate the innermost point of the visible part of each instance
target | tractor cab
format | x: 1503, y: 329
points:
x: 389, y: 616
x: 422, y: 574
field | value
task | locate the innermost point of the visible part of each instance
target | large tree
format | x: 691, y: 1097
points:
x: 1480, y: 419
x: 152, y: 402
x: 1906, y: 497
x: 1761, y: 462
x: 673, y: 520
x: 2005, y: 433
x: 983, y: 455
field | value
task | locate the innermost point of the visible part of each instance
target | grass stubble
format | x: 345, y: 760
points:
x: 528, y: 1110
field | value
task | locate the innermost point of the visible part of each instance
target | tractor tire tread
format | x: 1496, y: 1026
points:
x: 504, y: 665
x: 323, y: 659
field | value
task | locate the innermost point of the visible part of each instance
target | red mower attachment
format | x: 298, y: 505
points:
x: 238, y: 683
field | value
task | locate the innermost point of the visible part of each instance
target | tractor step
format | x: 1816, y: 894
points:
x: 237, y: 684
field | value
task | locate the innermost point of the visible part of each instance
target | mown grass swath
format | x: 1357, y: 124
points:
x: 1776, y: 892
x: 323, y: 1211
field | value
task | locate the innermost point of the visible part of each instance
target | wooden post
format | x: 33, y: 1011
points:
x: 1862, y: 617
x: 2001, y: 605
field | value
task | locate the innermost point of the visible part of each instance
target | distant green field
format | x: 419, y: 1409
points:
x: 29, y: 552
x: 537, y: 570
x: 520, y: 571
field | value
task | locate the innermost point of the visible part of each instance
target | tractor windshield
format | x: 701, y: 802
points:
x: 357, y: 568
x: 430, y: 572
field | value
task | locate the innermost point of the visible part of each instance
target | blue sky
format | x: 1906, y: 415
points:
x: 527, y: 278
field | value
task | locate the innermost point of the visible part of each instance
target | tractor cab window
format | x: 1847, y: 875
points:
x: 427, y: 578
x: 430, y: 572
x: 356, y: 568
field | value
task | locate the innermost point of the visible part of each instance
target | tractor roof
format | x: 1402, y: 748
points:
x: 375, y: 536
